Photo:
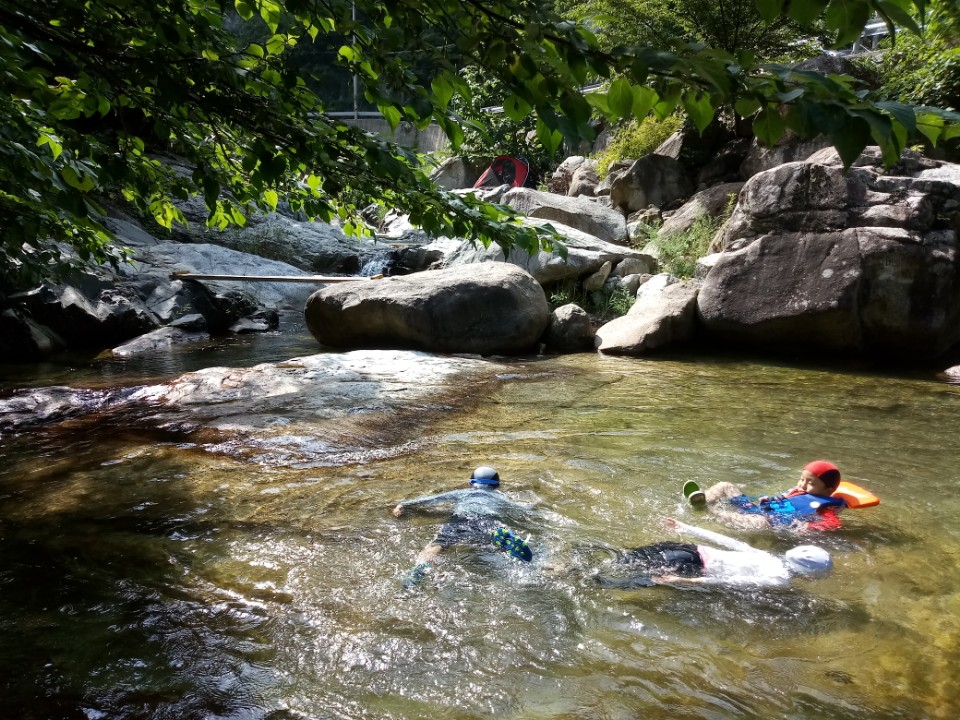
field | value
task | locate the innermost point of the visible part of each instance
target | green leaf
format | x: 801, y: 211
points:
x: 277, y: 44
x: 548, y: 137
x: 699, y: 109
x: 930, y: 125
x: 666, y: 103
x: 620, y: 98
x: 851, y: 141
x: 806, y: 12
x: 891, y: 12
x: 599, y: 101
x: 244, y: 10
x: 271, y: 198
x: 881, y: 131
x: 51, y: 140
x: 746, y: 106
x: 847, y: 18
x: 769, y: 10
x: 83, y: 183
x: 442, y: 89
x: 391, y: 115
x: 903, y: 114
x: 768, y: 126
x: 643, y: 100
x: 516, y: 108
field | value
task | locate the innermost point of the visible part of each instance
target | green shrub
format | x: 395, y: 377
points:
x: 679, y: 253
x: 919, y: 71
x: 601, y: 305
x: 635, y: 140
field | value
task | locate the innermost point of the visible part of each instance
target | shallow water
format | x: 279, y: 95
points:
x: 146, y: 576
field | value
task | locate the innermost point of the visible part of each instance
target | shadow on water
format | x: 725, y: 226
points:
x: 102, y: 610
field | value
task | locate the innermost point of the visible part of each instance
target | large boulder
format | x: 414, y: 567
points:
x: 313, y: 247
x: 819, y: 259
x: 559, y: 181
x: 711, y: 202
x: 459, y: 172
x: 789, y: 148
x: 23, y: 338
x: 664, y: 315
x: 570, y: 330
x: 587, y: 216
x: 491, y: 308
x: 585, y: 255
x: 585, y: 180
x: 652, y: 180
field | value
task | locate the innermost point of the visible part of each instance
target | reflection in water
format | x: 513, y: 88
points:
x: 147, y: 577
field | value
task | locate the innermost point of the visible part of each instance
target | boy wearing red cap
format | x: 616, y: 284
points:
x: 808, y: 506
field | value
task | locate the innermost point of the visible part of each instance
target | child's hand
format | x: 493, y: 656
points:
x: 398, y: 511
x: 671, y: 524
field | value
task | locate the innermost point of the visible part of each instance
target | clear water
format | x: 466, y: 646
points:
x: 144, y: 576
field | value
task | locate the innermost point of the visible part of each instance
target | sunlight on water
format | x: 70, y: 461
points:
x: 155, y: 577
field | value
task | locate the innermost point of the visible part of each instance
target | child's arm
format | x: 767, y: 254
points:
x: 425, y: 501
x: 677, y: 580
x: 714, y: 537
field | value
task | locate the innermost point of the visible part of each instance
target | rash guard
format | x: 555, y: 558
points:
x: 735, y: 562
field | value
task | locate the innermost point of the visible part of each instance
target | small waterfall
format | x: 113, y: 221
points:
x: 380, y: 262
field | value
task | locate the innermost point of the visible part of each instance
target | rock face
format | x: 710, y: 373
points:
x: 652, y: 180
x: 585, y: 215
x: 585, y: 255
x: 459, y: 172
x: 664, y: 315
x: 491, y: 308
x: 818, y: 259
x: 712, y: 202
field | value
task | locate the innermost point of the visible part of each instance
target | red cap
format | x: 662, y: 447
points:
x: 821, y: 468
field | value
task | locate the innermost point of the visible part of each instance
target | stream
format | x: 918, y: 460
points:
x: 147, y: 574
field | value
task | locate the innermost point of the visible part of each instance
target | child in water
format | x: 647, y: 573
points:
x: 808, y: 506
x: 475, y: 520
x: 733, y: 563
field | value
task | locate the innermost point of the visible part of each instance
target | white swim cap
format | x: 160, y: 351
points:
x: 484, y: 475
x: 808, y: 560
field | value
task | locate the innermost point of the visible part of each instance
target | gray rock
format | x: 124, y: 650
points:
x: 488, y: 308
x: 22, y: 338
x: 569, y: 331
x: 584, y: 180
x: 663, y: 316
x: 561, y: 178
x: 652, y: 180
x: 160, y: 339
x: 597, y: 279
x: 459, y: 172
x: 584, y: 215
x: 789, y: 148
x: 635, y: 266
x: 711, y: 202
x: 585, y: 255
x: 263, y: 321
x: 822, y: 260
x: 195, y: 321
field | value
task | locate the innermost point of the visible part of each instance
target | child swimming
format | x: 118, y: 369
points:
x: 810, y: 505
x: 725, y: 561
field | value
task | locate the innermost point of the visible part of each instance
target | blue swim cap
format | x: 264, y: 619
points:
x: 485, y: 475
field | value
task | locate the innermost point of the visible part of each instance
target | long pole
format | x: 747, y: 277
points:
x: 272, y: 278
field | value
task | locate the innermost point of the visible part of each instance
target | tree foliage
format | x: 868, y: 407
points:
x: 97, y: 94
x: 732, y: 26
